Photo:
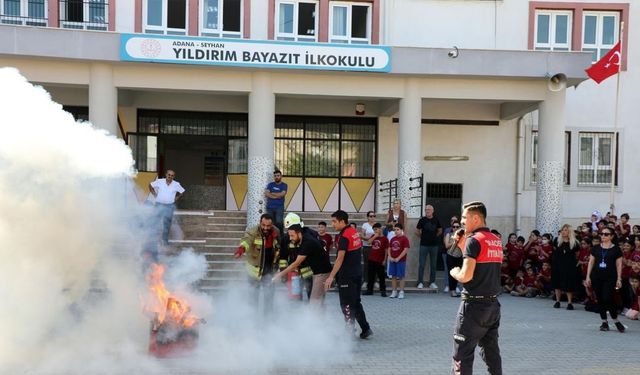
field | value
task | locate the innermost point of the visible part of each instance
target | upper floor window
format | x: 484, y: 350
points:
x: 84, y: 14
x: 596, y: 158
x: 166, y: 17
x: 600, y: 32
x: 221, y: 18
x: 23, y: 12
x: 553, y: 30
x: 296, y: 20
x: 350, y: 23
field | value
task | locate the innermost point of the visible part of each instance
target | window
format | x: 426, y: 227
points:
x: 166, y: 17
x: 350, y: 23
x: 84, y: 14
x: 296, y: 20
x: 596, y: 158
x: 534, y: 157
x: 221, y: 18
x: 325, y: 147
x: 23, y: 12
x: 600, y: 32
x: 553, y: 30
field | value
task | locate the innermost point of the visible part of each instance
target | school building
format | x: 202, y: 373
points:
x: 486, y: 100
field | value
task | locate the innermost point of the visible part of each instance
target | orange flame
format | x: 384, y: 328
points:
x: 164, y: 305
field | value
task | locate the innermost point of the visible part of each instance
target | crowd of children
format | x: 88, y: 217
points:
x: 528, y: 264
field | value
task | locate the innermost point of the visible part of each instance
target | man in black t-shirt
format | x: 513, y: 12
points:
x: 310, y: 253
x: 429, y: 230
x: 478, y: 317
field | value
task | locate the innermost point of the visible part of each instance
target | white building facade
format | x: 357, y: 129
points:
x: 459, y: 93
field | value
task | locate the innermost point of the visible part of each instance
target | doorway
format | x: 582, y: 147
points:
x: 446, y: 199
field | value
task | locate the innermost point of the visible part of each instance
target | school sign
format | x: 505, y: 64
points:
x: 254, y: 54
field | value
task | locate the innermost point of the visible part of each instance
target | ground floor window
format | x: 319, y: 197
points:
x: 597, y: 158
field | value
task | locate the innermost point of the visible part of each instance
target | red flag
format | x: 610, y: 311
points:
x: 607, y: 66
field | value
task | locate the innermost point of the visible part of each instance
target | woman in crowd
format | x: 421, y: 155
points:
x: 454, y: 256
x: 396, y: 214
x: 604, y: 275
x: 564, y: 276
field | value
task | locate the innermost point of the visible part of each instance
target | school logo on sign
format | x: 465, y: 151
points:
x: 254, y: 54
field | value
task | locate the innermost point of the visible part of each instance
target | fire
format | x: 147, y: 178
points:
x: 165, y: 306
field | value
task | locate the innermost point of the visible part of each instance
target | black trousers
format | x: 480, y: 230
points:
x: 452, y: 263
x: 376, y: 270
x: 477, y: 325
x: 349, y: 293
x: 604, y: 289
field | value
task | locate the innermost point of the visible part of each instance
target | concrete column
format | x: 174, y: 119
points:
x: 262, y: 111
x: 551, y: 126
x: 409, y: 146
x: 103, y: 99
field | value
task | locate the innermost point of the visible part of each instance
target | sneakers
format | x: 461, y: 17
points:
x: 433, y: 286
x: 376, y: 285
x: 605, y: 326
x: 570, y: 306
x: 557, y: 305
x: 401, y: 294
x: 394, y: 294
x: 446, y: 289
x: 619, y: 326
x: 364, y: 284
x: 366, y: 334
x: 420, y: 285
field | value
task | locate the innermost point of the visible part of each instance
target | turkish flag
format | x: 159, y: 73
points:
x: 607, y: 66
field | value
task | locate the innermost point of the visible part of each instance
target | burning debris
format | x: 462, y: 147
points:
x: 174, y: 329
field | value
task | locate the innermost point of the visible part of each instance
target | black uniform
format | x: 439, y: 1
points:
x: 349, y: 277
x: 479, y: 313
x: 604, y: 275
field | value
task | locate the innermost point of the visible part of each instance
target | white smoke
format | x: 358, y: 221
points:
x: 70, y: 279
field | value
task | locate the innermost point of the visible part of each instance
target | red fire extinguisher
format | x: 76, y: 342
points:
x: 294, y: 284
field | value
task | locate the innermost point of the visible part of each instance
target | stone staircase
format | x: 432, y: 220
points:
x: 217, y: 234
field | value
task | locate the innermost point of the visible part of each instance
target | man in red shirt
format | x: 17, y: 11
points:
x: 377, y: 260
x: 325, y: 237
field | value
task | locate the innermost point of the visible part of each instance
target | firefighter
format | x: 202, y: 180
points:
x: 311, y: 260
x: 261, y: 243
x: 290, y: 249
x: 478, y: 317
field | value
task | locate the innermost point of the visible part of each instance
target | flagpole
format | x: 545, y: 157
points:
x: 614, y: 143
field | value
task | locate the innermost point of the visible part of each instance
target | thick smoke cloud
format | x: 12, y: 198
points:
x: 70, y: 278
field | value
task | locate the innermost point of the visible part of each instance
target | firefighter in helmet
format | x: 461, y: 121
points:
x: 289, y: 250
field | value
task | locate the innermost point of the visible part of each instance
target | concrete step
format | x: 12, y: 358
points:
x: 218, y: 227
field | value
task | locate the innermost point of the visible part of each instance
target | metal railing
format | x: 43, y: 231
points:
x: 389, y: 192
x: 418, y: 187
x: 84, y: 14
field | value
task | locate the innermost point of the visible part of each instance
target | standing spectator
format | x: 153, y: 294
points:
x: 596, y: 216
x: 635, y: 232
x: 398, y: 248
x: 347, y: 271
x: 366, y: 234
x: 377, y: 261
x: 454, y: 244
x: 445, y: 248
x: 167, y: 192
x: 627, y: 262
x: 396, y: 214
x: 515, y: 254
x: 545, y: 251
x: 275, y: 193
x: 428, y: 229
x: 604, y: 274
x: 565, y: 274
x: 325, y: 237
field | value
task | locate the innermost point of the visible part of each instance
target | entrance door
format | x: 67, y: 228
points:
x: 446, y: 199
x: 199, y: 162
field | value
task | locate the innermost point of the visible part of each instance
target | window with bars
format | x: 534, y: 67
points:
x: 596, y: 158
x: 534, y: 157
x: 326, y: 148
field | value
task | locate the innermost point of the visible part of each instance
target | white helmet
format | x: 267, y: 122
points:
x: 292, y: 219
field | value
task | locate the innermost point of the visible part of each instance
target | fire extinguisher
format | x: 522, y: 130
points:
x: 294, y: 284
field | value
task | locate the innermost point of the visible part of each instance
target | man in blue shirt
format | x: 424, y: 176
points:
x: 275, y: 193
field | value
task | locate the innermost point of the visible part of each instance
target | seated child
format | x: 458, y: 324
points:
x: 543, y: 280
x: 633, y: 312
x: 518, y: 288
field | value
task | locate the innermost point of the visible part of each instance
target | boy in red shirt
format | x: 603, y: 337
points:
x: 397, y: 256
x: 544, y: 252
x: 543, y: 280
x: 529, y: 282
x: 325, y: 237
x: 515, y: 256
x: 377, y: 261
x: 623, y: 229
